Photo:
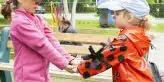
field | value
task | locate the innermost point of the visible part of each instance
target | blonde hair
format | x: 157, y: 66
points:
x: 144, y: 23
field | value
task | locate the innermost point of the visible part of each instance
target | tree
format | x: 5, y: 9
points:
x: 82, y: 3
x: 66, y: 11
x: 73, y: 20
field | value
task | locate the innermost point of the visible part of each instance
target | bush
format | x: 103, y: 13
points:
x: 4, y: 21
x: 157, y: 10
x: 86, y: 10
x: 82, y: 8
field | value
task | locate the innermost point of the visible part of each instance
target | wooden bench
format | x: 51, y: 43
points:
x: 6, y: 65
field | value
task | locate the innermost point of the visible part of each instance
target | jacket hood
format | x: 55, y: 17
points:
x: 139, y: 39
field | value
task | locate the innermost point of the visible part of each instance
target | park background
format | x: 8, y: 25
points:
x: 86, y: 19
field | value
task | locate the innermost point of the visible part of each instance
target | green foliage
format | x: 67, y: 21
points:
x: 86, y: 10
x: 83, y: 6
x: 1, y: 1
x: 4, y: 21
x: 150, y: 1
x: 157, y: 10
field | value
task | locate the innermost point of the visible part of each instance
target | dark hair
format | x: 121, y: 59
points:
x: 65, y: 21
x: 7, y: 8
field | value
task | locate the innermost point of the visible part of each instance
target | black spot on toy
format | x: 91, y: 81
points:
x: 123, y: 48
x: 121, y: 58
x: 86, y: 75
x: 98, y: 67
x: 87, y: 65
x: 110, y: 57
x: 112, y: 48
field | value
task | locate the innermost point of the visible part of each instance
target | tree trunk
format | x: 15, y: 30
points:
x: 73, y: 19
x: 66, y: 11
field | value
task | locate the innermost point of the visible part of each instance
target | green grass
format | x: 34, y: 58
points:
x: 91, y: 27
x: 97, y: 31
x: 158, y: 28
x: 87, y: 23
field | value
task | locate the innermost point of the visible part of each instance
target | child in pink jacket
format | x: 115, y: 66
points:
x: 34, y: 45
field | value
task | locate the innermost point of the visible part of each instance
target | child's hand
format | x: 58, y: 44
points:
x: 76, y: 61
x: 71, y: 68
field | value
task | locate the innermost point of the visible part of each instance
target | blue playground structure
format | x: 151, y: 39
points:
x: 105, y: 17
x: 5, y: 76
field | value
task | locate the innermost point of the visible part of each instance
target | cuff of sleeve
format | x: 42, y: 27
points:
x: 70, y: 58
x: 64, y: 65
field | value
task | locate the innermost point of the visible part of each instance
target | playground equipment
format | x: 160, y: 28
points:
x: 56, y: 13
x: 105, y: 17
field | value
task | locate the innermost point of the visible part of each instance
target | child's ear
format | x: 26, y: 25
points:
x: 130, y: 18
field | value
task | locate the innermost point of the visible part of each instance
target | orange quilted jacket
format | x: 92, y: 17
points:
x: 124, y: 55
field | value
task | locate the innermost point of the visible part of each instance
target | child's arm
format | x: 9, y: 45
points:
x: 110, y: 55
x: 55, y: 42
x: 29, y: 35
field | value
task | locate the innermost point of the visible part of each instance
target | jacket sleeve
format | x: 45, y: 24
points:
x: 104, y: 59
x: 30, y: 35
x: 55, y: 42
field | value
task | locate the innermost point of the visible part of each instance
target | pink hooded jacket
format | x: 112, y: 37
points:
x: 34, y: 48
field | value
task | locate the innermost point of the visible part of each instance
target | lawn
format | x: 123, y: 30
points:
x: 158, y: 28
x: 92, y: 27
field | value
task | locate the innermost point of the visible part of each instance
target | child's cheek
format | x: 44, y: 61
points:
x: 118, y: 23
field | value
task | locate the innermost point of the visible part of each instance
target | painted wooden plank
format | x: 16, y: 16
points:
x: 55, y: 72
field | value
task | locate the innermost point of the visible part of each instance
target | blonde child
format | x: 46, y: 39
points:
x: 125, y: 54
